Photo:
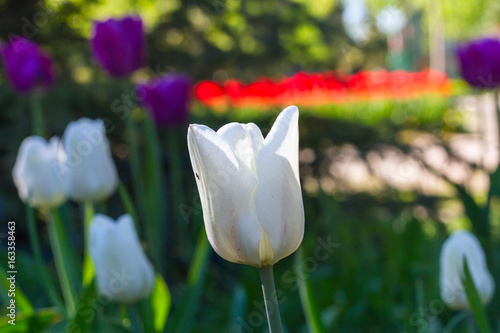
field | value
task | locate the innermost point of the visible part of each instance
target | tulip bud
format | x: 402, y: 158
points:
x: 250, y: 189
x: 123, y: 272
x: 26, y: 66
x: 36, y: 174
x: 119, y: 45
x: 167, y: 98
x: 459, y: 245
x: 91, y: 173
x: 478, y: 62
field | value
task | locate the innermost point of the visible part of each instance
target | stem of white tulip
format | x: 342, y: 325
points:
x: 36, y: 115
x: 270, y: 299
x: 56, y: 233
x: 36, y: 248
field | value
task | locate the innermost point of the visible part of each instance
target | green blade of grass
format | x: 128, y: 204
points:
x: 196, y: 276
x: 475, y: 301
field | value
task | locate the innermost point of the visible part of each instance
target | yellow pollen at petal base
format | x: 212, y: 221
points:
x: 266, y: 254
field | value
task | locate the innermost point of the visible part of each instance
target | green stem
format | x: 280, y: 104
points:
x: 88, y: 267
x: 269, y: 291
x: 56, y: 233
x: 175, y: 163
x: 307, y: 297
x: 36, y: 248
x: 36, y: 115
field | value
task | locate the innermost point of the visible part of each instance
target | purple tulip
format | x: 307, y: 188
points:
x: 27, y: 67
x: 479, y: 62
x: 167, y: 98
x: 119, y: 46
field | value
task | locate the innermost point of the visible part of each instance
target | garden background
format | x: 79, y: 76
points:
x: 389, y: 166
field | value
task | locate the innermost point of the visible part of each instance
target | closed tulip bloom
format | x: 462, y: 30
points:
x: 27, y: 67
x: 36, y: 174
x: 459, y: 245
x: 118, y: 45
x: 91, y: 173
x: 250, y: 189
x: 167, y: 98
x: 478, y: 62
x: 123, y: 272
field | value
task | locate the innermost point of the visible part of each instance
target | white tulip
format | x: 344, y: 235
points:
x: 91, y: 173
x: 36, y: 174
x: 250, y: 189
x: 459, y: 245
x: 123, y: 272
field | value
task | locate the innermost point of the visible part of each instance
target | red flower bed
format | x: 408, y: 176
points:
x: 322, y: 88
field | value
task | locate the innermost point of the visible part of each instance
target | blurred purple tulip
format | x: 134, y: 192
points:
x: 119, y: 46
x: 479, y: 62
x: 167, y: 98
x: 26, y: 66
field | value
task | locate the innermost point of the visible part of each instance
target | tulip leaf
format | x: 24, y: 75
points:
x: 85, y: 310
x: 306, y: 296
x: 38, y: 321
x: 475, y: 301
x: 88, y: 267
x: 474, y: 213
x: 195, y: 280
x: 160, y: 302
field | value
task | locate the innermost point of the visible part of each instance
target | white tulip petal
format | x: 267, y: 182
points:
x: 226, y: 188
x: 35, y: 173
x: 278, y: 199
x: 123, y: 272
x: 459, y: 245
x: 91, y: 173
x: 245, y: 140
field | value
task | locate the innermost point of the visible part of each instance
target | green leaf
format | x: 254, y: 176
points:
x: 85, y: 310
x: 306, y: 296
x: 475, y: 301
x: 32, y: 322
x: 196, y: 277
x: 88, y: 267
x: 160, y: 302
x: 478, y: 217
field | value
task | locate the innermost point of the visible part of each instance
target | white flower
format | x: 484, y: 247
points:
x: 250, y: 189
x: 123, y: 272
x: 459, y: 245
x: 36, y: 174
x: 90, y: 172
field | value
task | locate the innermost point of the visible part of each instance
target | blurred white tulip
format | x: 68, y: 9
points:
x: 250, y: 189
x: 459, y: 245
x: 36, y: 174
x: 123, y: 272
x: 90, y: 172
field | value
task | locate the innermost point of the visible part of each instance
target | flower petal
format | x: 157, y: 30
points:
x: 245, y: 140
x: 226, y: 188
x: 278, y: 199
